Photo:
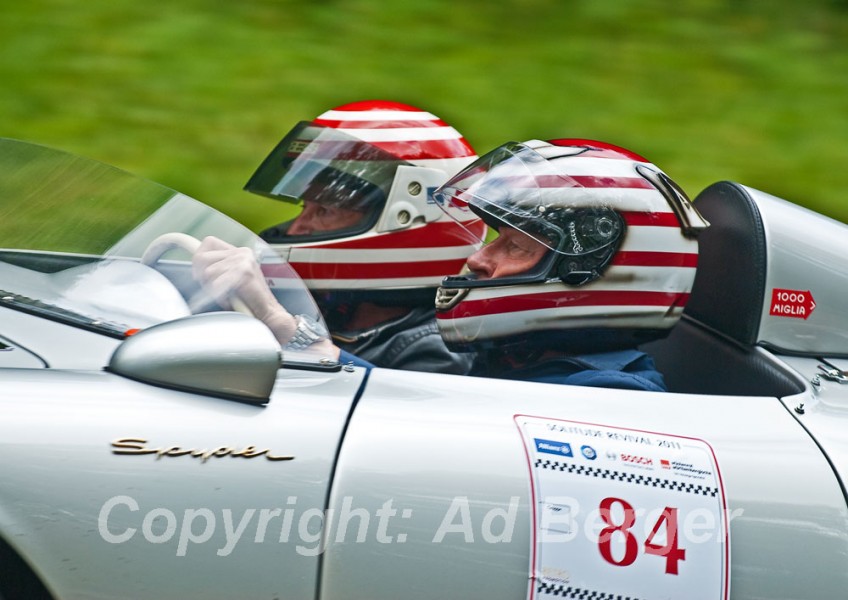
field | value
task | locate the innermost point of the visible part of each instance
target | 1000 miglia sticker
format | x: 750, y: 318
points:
x: 624, y: 514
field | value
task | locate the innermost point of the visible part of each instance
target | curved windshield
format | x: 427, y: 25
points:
x: 91, y: 246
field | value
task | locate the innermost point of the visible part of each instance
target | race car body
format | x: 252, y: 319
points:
x: 154, y: 445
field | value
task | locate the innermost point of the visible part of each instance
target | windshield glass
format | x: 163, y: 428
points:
x: 91, y: 246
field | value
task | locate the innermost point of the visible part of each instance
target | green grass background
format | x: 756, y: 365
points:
x: 193, y: 94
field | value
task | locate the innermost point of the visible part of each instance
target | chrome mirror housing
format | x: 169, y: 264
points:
x: 224, y: 354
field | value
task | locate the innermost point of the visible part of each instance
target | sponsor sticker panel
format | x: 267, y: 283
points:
x: 624, y: 513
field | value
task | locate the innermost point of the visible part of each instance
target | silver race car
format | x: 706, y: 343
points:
x: 154, y: 445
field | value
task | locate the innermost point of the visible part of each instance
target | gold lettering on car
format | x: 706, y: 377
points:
x: 138, y: 446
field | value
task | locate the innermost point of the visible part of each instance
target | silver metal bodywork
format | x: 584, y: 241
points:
x: 126, y: 472
x: 806, y: 252
x: 60, y: 475
x: 779, y: 484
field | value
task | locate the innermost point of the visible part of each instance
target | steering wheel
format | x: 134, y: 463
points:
x: 170, y: 241
x: 165, y: 242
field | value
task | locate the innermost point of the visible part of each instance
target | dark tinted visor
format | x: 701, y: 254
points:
x: 321, y: 164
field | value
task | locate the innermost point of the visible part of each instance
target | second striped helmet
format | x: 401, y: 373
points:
x: 620, y: 248
x: 362, y: 176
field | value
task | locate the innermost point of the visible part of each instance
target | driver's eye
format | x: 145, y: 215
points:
x: 516, y: 249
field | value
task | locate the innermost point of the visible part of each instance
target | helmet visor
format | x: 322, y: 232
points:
x: 517, y: 187
x: 340, y: 182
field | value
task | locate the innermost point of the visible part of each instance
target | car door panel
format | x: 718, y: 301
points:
x: 221, y: 490
x: 425, y: 443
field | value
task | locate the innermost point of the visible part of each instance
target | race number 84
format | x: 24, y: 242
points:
x: 666, y: 522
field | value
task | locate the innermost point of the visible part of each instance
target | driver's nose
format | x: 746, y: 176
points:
x: 480, y: 263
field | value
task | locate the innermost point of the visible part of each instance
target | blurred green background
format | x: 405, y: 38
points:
x: 193, y: 94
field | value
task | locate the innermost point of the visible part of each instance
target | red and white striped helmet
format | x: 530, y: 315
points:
x: 621, y: 249
x: 382, y: 160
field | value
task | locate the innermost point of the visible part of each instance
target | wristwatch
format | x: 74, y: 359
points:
x: 309, y: 330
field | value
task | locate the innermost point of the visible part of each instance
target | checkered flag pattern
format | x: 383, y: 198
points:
x: 562, y: 591
x: 657, y: 482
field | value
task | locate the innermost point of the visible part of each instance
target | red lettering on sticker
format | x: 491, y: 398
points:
x: 672, y: 553
x: 620, y: 534
x: 631, y: 546
x: 640, y: 460
x: 791, y: 303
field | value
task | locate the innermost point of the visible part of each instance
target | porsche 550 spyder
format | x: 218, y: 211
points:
x: 153, y: 445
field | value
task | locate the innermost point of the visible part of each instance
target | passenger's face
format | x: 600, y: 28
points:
x: 511, y: 253
x: 317, y: 218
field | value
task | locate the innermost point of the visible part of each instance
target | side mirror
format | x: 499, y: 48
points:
x: 224, y: 354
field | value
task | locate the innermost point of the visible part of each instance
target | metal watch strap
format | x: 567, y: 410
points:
x: 304, y: 335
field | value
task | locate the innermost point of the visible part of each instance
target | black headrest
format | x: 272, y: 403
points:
x: 730, y: 280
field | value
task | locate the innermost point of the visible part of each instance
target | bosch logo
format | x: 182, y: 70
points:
x: 638, y: 460
x: 588, y: 452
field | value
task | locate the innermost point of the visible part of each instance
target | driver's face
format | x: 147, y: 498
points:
x: 511, y: 253
x: 317, y: 218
